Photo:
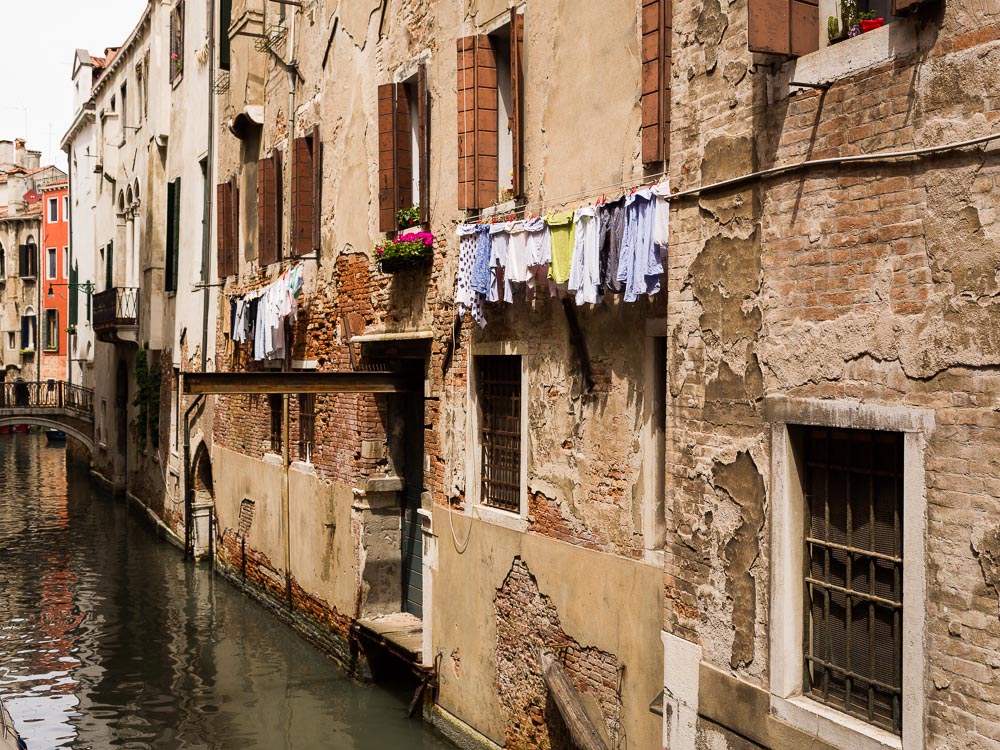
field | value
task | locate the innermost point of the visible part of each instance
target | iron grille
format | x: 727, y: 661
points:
x: 498, y: 380
x: 854, y: 549
x: 307, y: 426
x: 277, y: 414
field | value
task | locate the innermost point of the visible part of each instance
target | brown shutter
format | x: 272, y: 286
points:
x: 517, y: 97
x: 302, y: 197
x: 386, y: 158
x: 232, y: 250
x: 223, y: 226
x: 424, y: 143
x: 477, y: 122
x: 904, y: 7
x: 277, y: 237
x: 317, y: 188
x: 657, y: 22
x: 404, y: 149
x: 783, y: 27
x: 265, y: 184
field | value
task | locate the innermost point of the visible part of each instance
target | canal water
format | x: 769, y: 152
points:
x: 108, y: 639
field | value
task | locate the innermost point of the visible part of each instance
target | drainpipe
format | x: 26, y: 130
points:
x: 209, y: 172
x: 188, y: 484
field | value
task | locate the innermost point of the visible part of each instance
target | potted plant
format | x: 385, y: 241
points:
x: 404, y: 251
x: 870, y: 22
x: 833, y: 30
x: 408, y: 217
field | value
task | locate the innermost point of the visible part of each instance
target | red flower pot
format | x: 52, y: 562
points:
x: 870, y: 25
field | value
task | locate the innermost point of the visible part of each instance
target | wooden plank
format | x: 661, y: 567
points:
x: 582, y: 730
x: 294, y: 382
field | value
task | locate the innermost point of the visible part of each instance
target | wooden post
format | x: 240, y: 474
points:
x: 582, y: 730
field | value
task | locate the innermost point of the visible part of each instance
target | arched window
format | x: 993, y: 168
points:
x: 121, y: 203
x: 28, y: 329
x: 135, y: 190
x: 3, y: 262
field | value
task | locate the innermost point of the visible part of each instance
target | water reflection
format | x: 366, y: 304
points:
x: 107, y: 639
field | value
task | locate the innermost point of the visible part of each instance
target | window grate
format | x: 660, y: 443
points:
x: 307, y: 426
x: 854, y: 581
x: 498, y: 381
x: 275, y: 402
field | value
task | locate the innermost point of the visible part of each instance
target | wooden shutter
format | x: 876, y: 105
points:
x: 302, y: 196
x: 517, y: 97
x: 783, y: 27
x: 176, y: 247
x: 317, y: 189
x: 657, y: 23
x: 386, y: 158
x: 269, y: 208
x: 74, y: 295
x: 223, y: 226
x: 232, y: 249
x: 423, y: 115
x: 477, y: 122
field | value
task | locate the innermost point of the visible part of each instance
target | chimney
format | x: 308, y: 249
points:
x: 19, y: 152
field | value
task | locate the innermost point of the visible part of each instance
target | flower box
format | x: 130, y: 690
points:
x: 405, y: 251
x: 870, y: 24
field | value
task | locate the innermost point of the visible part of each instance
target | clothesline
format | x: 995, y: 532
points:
x: 593, y: 193
x: 612, y: 247
x: 257, y: 316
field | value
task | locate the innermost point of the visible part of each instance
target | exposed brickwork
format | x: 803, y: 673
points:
x: 528, y: 622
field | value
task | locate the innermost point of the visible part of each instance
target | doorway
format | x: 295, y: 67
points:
x: 411, y: 537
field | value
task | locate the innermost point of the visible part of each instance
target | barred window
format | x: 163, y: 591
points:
x: 307, y: 426
x: 275, y: 402
x: 854, y: 581
x: 498, y: 383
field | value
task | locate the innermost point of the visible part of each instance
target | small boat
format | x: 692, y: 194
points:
x: 9, y: 738
x: 55, y: 436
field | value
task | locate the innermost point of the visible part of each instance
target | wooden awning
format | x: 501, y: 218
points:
x: 294, y: 382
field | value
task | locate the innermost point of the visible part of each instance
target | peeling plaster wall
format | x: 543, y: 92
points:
x: 873, y: 283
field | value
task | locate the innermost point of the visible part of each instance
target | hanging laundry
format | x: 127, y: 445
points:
x: 584, y: 277
x: 465, y: 297
x: 661, y: 227
x: 562, y: 232
x: 481, y: 265
x: 500, y: 289
x: 539, y: 253
x: 516, y: 270
x: 612, y: 231
x: 639, y: 265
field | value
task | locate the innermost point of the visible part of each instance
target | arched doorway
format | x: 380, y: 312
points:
x: 202, y: 510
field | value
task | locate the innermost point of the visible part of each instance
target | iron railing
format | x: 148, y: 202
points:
x: 116, y: 307
x: 25, y: 396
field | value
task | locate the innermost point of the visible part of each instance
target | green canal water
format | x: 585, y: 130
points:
x: 108, y: 639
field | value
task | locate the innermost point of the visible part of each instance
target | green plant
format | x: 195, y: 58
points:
x: 832, y: 28
x: 408, y: 217
x: 870, y: 15
x: 849, y: 15
x: 147, y: 398
x: 404, y: 251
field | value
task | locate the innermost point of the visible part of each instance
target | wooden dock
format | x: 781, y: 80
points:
x: 400, y: 633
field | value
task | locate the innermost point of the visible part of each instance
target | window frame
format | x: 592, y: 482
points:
x: 53, y: 203
x: 51, y: 263
x: 48, y: 345
x: 473, y: 491
x: 787, y: 513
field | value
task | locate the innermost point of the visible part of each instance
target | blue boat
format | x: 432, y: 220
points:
x: 55, y: 436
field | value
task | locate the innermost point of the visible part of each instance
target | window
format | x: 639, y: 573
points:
x: 854, y: 578
x: 307, y: 178
x: 50, y: 338
x: 65, y: 265
x: 173, y: 235
x: 177, y: 41
x: 798, y: 27
x: 28, y: 260
x: 28, y: 330
x: 3, y: 262
x: 228, y: 227
x: 275, y: 402
x: 51, y: 269
x: 74, y: 298
x: 109, y: 266
x: 404, y: 129
x: 498, y: 386
x: 307, y: 426
x: 65, y: 208
x: 490, y: 104
x: 657, y: 27
x: 11, y: 339
x: 269, y: 208
x: 124, y: 111
x: 53, y: 210
x: 225, y: 19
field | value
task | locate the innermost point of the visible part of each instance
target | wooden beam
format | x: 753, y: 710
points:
x: 581, y: 728
x: 294, y: 382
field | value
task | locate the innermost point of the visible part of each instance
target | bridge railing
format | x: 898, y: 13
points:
x: 24, y: 395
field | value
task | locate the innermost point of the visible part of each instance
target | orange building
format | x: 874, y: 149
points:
x: 54, y: 273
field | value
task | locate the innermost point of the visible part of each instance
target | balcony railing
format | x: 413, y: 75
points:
x: 115, y: 309
x: 48, y: 394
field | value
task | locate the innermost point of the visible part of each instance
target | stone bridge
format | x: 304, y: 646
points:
x: 54, y: 404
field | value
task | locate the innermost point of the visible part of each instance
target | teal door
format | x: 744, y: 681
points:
x: 412, y: 539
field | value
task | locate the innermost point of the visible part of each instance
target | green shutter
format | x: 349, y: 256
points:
x: 173, y: 228
x: 225, y: 17
x: 74, y: 301
x: 177, y: 231
x: 109, y: 267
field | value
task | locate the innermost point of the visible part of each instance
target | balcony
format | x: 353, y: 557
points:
x: 116, y: 315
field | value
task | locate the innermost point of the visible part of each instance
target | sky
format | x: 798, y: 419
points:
x: 36, y: 57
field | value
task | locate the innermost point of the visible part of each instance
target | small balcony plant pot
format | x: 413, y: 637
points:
x: 870, y: 24
x: 405, y: 252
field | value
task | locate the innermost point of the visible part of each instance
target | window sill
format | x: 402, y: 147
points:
x: 851, y: 56
x: 497, y: 517
x: 831, y: 726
